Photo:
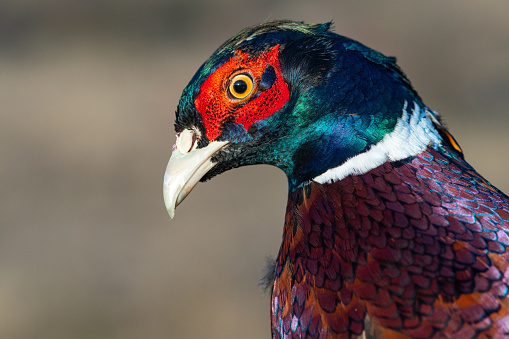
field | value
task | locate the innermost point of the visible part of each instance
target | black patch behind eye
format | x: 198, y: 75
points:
x: 268, y: 78
x: 309, y: 60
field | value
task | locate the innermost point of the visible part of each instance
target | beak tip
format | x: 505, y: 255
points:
x: 170, y: 206
x: 169, y: 203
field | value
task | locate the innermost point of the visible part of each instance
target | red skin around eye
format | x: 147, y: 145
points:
x: 215, y: 105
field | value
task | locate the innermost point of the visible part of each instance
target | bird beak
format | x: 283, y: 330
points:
x: 186, y: 167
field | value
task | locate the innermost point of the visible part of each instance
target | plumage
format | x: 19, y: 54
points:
x: 389, y: 232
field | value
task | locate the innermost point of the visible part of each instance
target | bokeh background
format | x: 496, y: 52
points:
x: 88, y: 91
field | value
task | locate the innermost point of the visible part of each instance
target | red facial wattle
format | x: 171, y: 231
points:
x: 216, y: 105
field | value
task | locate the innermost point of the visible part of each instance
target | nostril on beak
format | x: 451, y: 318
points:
x: 186, y: 141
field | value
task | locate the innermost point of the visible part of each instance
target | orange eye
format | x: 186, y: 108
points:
x: 241, y: 86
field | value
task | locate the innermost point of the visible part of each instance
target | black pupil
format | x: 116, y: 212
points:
x: 240, y: 86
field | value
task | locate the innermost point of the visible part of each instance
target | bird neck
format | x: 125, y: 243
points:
x: 332, y: 157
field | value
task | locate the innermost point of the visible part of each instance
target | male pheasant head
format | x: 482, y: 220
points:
x: 317, y: 105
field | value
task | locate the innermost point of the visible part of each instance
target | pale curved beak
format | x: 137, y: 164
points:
x: 186, y: 167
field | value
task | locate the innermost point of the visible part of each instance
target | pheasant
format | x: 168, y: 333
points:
x: 389, y: 232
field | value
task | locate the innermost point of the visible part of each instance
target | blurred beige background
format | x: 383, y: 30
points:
x: 87, y: 95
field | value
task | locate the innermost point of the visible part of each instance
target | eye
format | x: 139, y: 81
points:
x: 241, y: 86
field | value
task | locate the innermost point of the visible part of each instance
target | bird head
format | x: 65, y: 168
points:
x: 283, y: 93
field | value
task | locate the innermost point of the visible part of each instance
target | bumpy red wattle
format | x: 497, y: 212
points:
x: 216, y: 107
